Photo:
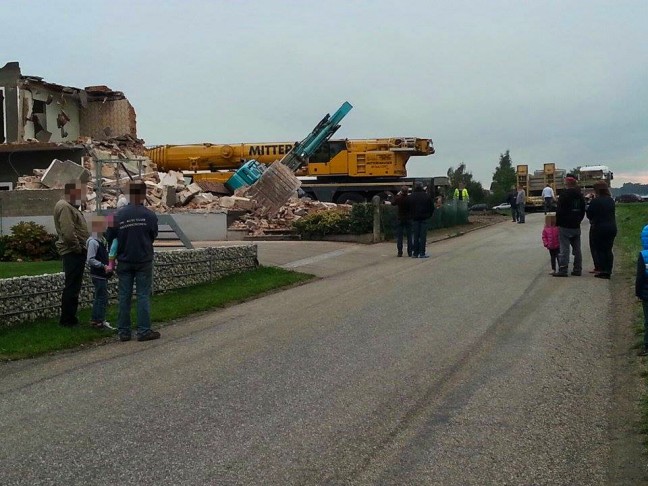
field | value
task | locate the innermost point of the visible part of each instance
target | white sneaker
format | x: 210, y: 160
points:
x: 106, y: 325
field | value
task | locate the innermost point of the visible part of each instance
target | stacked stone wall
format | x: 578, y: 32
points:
x: 31, y: 298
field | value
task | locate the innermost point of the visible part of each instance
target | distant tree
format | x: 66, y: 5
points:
x: 575, y: 171
x: 503, y: 178
x: 475, y: 188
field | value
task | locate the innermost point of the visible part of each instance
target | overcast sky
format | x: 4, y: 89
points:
x: 551, y: 81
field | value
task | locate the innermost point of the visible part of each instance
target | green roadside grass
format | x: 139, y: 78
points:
x: 31, y: 339
x: 631, y: 218
x: 22, y: 269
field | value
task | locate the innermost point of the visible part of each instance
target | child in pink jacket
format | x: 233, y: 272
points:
x: 551, y: 239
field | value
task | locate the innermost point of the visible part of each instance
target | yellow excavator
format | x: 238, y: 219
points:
x: 339, y: 171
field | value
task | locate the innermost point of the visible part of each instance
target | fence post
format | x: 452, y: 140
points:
x: 376, y: 219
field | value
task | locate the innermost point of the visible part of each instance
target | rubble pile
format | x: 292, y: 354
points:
x: 258, y: 223
x: 111, y: 164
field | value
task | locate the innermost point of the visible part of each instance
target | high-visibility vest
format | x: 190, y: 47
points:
x: 464, y: 193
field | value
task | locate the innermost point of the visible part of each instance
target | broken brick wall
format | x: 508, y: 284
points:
x: 102, y: 120
x: 56, y: 113
x: 9, y: 77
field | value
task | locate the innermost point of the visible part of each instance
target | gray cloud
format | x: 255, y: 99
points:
x: 560, y: 81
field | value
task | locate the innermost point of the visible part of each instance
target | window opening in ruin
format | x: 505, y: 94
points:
x: 38, y: 111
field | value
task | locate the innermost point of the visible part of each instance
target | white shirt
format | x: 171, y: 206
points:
x: 547, y: 192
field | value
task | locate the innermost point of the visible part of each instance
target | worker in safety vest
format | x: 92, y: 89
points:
x: 461, y: 193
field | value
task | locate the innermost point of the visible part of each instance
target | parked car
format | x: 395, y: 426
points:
x: 628, y: 198
x: 502, y: 206
x: 478, y: 207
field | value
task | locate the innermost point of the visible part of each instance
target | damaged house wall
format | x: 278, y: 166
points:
x: 41, y: 121
x: 54, y: 112
x: 47, y: 112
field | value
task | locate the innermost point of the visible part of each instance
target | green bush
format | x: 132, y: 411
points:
x: 322, y: 224
x: 361, y: 218
x: 4, y: 242
x: 31, y: 242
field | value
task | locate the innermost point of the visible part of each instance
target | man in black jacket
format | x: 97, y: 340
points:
x: 403, y: 223
x: 569, y: 214
x: 421, y: 209
x: 135, y: 228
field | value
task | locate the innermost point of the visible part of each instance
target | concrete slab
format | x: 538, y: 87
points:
x: 62, y: 172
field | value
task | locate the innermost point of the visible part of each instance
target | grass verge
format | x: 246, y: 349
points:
x: 32, y: 339
x: 22, y: 269
x: 631, y: 218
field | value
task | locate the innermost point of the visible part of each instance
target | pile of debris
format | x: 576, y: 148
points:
x: 111, y: 164
x: 257, y: 223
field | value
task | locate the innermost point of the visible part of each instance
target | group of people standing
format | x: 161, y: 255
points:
x: 130, y: 234
x: 414, y: 211
x: 562, y: 232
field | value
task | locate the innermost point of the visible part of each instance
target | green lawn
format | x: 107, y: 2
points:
x: 35, y: 338
x: 20, y: 269
x: 631, y: 218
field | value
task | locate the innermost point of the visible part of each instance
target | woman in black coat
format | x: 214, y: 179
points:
x: 601, y: 213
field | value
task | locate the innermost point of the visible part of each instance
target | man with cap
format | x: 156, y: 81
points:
x: 569, y: 214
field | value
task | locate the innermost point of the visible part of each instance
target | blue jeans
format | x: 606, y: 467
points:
x: 403, y: 226
x: 140, y: 274
x: 419, y: 237
x: 100, y: 301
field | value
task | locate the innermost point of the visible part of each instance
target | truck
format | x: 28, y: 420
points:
x: 533, y: 184
x: 588, y: 175
x: 339, y: 171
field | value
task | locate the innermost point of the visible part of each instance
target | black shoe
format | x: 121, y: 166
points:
x: 576, y: 274
x: 124, y: 337
x: 400, y: 254
x: 149, y: 336
x: 559, y: 274
x: 606, y: 276
x: 643, y: 352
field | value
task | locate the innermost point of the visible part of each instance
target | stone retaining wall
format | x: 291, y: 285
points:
x: 31, y: 298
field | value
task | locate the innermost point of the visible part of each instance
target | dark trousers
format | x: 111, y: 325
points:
x: 73, y: 267
x: 645, y: 309
x: 547, y: 204
x: 603, y: 240
x: 520, y: 211
x: 419, y: 236
x: 593, y: 251
x: 403, y: 227
x: 514, y: 212
x: 553, y: 255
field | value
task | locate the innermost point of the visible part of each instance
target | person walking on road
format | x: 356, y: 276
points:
x: 641, y: 285
x: 601, y: 213
x: 547, y: 197
x: 512, y: 200
x: 135, y: 228
x: 421, y: 209
x: 569, y: 214
x: 72, y: 232
x: 403, y: 221
x: 520, y: 201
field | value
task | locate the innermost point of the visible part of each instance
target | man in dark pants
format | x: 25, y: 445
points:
x: 72, y: 232
x: 403, y: 223
x: 569, y: 214
x: 421, y: 209
x: 135, y: 228
x: 511, y: 199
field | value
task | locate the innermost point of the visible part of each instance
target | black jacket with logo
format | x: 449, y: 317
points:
x: 571, y: 208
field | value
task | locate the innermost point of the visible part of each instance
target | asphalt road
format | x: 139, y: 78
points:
x: 472, y: 367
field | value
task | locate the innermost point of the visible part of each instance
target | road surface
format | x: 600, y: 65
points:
x: 472, y: 367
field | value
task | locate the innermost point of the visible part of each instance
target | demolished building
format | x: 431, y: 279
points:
x: 41, y: 121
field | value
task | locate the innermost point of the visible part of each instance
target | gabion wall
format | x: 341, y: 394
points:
x: 30, y: 298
